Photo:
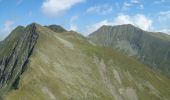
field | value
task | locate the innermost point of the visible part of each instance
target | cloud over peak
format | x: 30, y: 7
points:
x: 138, y: 20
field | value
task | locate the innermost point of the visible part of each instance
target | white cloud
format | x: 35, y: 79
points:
x: 58, y: 7
x: 73, y: 25
x: 8, y: 27
x: 126, y: 5
x: 134, y: 1
x: 122, y: 19
x: 138, y: 20
x: 164, y: 15
x: 100, y: 9
x: 131, y: 3
x: 142, y: 21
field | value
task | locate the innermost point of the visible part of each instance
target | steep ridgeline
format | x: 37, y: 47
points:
x: 66, y: 66
x: 15, y: 51
x: 151, y: 48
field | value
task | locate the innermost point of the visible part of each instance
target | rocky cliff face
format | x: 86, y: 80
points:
x: 151, y: 48
x: 14, y: 55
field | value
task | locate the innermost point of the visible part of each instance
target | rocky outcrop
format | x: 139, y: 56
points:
x: 15, y: 52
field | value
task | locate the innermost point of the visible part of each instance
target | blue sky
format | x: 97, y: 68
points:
x: 85, y: 16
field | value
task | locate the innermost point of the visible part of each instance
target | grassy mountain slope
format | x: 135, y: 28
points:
x: 151, y: 48
x: 68, y: 67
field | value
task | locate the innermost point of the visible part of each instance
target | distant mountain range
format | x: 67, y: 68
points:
x: 152, y: 48
x: 114, y: 63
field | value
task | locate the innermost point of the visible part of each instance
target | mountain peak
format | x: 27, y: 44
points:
x: 131, y: 25
x: 34, y: 24
x: 136, y: 42
x: 123, y: 26
x: 56, y: 28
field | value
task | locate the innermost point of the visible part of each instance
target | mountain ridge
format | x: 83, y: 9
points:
x: 67, y: 66
x: 15, y: 52
x: 149, y: 47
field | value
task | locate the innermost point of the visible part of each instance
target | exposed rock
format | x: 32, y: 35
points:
x: 15, y: 52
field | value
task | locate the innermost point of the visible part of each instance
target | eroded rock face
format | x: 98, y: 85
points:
x: 14, y: 55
